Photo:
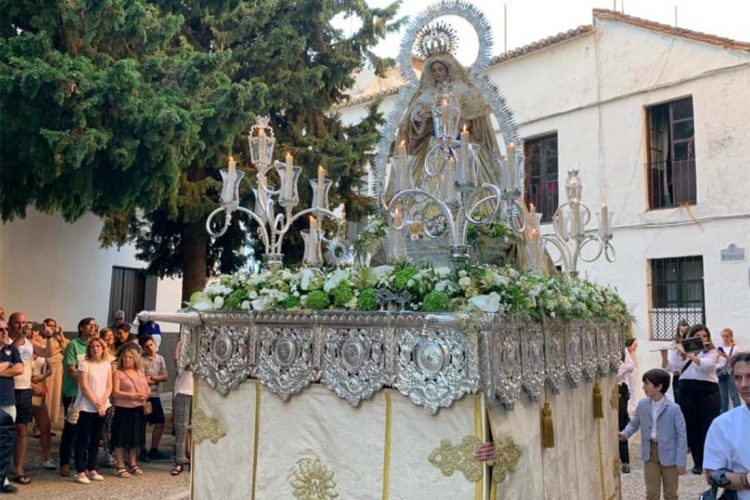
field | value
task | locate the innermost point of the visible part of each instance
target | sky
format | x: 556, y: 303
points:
x: 532, y: 20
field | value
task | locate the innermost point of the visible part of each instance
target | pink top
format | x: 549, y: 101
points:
x: 126, y: 385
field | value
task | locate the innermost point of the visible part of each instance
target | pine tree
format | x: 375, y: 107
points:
x: 128, y: 109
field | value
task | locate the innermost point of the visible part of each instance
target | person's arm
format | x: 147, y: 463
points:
x: 682, y: 447
x: 4, y: 365
x: 633, y: 425
x: 162, y: 376
x: 705, y: 361
x: 102, y: 406
x: 70, y: 361
x: 43, y: 350
x: 12, y: 370
x: 737, y: 481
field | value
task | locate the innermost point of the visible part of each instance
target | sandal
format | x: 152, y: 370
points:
x: 177, y: 470
x: 122, y: 472
x: 21, y: 479
x: 136, y: 470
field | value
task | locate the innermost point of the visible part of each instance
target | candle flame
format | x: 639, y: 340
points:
x: 231, y: 158
x: 465, y: 125
x: 403, y: 144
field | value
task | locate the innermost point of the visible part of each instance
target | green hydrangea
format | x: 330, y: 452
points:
x: 402, y: 277
x: 317, y: 300
x: 290, y: 302
x: 435, y: 302
x: 366, y: 300
x: 342, y: 293
x: 234, y: 300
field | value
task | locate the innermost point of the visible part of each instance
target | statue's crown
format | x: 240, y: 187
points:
x: 436, y: 38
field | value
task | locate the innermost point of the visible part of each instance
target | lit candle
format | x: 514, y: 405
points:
x: 576, y: 229
x: 604, y: 220
x: 532, y: 208
x: 398, y: 218
x: 231, y: 171
x: 464, y: 158
x: 511, y: 165
x: 289, y: 177
x: 321, y: 185
x: 401, y: 166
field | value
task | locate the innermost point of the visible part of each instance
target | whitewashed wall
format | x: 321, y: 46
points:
x: 49, y: 268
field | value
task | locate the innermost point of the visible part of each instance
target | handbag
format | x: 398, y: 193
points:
x: 73, y: 413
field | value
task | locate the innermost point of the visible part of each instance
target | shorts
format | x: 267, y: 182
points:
x: 157, y: 416
x: 24, y: 409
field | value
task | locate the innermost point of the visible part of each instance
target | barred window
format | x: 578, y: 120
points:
x: 676, y: 294
x: 541, y: 174
x: 671, y: 154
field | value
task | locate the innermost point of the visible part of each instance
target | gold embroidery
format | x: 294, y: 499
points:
x: 312, y: 480
x: 450, y: 458
x: 205, y: 427
x: 507, y: 456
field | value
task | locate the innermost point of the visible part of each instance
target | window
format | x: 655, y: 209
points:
x: 132, y: 291
x: 676, y: 294
x: 541, y: 175
x: 671, y: 154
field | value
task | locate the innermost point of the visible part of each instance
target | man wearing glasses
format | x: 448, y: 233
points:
x: 10, y: 366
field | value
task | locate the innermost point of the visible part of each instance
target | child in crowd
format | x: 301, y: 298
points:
x: 663, y: 436
x: 156, y: 372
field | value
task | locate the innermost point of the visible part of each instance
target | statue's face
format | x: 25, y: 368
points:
x: 439, y: 72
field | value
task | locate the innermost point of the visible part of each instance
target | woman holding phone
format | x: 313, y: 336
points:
x: 699, y: 390
x: 727, y: 389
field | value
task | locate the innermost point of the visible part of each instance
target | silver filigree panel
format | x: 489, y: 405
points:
x: 354, y: 362
x: 573, y: 355
x: 286, y: 363
x: 532, y: 360
x: 616, y: 347
x: 602, y: 349
x: 554, y: 356
x: 436, y: 367
x: 223, y: 359
x: 589, y: 362
x: 506, y: 366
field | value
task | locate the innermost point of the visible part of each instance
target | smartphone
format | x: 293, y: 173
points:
x: 38, y: 327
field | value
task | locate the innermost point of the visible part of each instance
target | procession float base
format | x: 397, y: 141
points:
x: 380, y: 405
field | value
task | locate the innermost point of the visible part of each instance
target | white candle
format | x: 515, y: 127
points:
x: 289, y: 177
x: 321, y: 185
x: 231, y: 171
x: 532, y: 208
x: 511, y: 165
x: 463, y: 161
x: 604, y: 220
x: 576, y: 229
x: 398, y: 218
x: 401, y: 166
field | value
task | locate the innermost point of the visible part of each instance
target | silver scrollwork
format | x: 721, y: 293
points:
x: 354, y: 362
x: 223, y: 359
x: 286, y: 364
x: 437, y: 367
x: 532, y: 361
x: 554, y: 356
x: 588, y: 352
x: 506, y: 366
x: 573, y: 355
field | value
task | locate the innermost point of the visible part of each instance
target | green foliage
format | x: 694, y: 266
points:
x: 342, y: 293
x: 290, y: 302
x: 234, y: 300
x: 402, y: 278
x: 435, y: 302
x: 367, y: 300
x: 127, y: 109
x: 317, y: 300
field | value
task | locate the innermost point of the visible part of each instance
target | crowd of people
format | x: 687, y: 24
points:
x: 105, y: 383
x: 707, y: 380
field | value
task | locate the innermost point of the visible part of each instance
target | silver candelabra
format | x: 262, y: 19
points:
x: 570, y: 234
x: 272, y: 226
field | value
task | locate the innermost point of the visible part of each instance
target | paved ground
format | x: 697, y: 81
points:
x: 633, y: 487
x: 156, y: 482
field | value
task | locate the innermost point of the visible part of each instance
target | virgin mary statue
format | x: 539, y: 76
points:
x: 441, y: 71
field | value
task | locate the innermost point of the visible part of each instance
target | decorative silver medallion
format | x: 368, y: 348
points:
x: 286, y: 359
x: 224, y: 358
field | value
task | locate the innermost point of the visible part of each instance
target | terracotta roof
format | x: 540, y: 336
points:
x: 604, y: 14
x: 543, y: 43
x: 726, y: 43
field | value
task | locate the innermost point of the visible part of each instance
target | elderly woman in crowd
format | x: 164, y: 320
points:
x: 130, y: 391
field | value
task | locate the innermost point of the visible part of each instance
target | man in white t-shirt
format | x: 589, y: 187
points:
x: 728, y: 439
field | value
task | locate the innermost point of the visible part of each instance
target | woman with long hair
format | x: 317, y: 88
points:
x: 129, y: 390
x: 699, y: 390
x: 58, y: 342
x: 683, y: 327
x: 92, y: 401
x: 727, y: 389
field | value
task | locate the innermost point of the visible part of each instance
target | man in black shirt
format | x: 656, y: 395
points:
x: 10, y: 366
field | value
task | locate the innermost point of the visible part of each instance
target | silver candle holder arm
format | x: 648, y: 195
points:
x: 273, y: 226
x: 569, y: 227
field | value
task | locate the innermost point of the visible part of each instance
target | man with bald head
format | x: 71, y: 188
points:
x: 10, y: 366
x: 24, y: 409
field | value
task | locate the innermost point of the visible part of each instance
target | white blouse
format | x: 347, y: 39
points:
x: 97, y: 375
x: 706, y: 371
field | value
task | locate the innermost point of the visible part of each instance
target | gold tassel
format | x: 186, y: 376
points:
x: 548, y: 427
x: 598, y: 408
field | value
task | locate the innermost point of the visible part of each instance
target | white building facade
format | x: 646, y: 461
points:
x: 656, y: 119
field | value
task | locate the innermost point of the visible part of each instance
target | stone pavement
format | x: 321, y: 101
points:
x: 156, y: 482
x: 633, y: 486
